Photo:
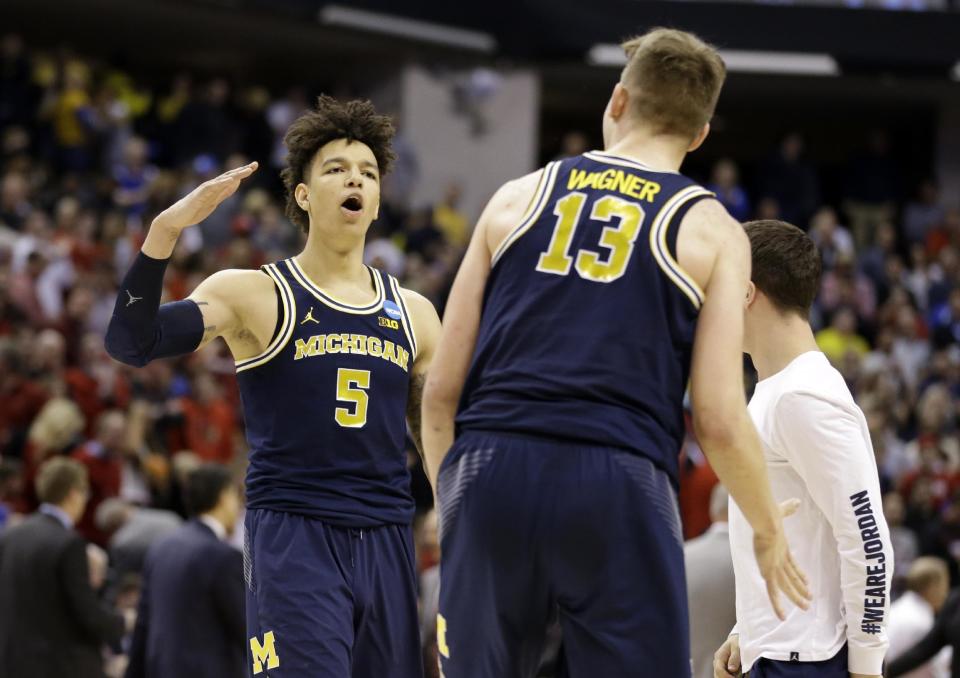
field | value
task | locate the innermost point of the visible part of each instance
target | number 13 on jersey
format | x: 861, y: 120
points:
x: 619, y: 239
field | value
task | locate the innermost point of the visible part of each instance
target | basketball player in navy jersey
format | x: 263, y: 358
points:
x: 331, y: 357
x: 591, y: 292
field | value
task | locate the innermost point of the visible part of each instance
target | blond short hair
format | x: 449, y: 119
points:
x: 925, y: 572
x: 674, y: 79
x: 58, y: 477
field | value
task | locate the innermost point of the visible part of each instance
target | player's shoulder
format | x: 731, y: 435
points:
x: 516, y: 193
x: 814, y: 382
x: 240, y: 281
x: 423, y: 315
x: 507, y: 208
x: 523, y: 183
x: 707, y: 230
x: 706, y: 233
x: 239, y: 289
x: 711, y: 220
x: 416, y: 302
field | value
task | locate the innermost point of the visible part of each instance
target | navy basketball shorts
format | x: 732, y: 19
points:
x: 835, y: 667
x: 530, y: 528
x: 329, y: 602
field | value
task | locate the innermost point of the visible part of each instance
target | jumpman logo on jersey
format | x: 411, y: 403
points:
x: 133, y: 299
x: 309, y: 317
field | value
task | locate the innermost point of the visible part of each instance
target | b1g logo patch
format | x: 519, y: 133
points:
x: 265, y: 654
x: 386, y: 322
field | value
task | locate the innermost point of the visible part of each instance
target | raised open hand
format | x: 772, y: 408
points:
x: 199, y: 203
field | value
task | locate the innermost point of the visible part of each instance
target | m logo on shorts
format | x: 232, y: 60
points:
x: 442, y: 637
x: 264, y: 654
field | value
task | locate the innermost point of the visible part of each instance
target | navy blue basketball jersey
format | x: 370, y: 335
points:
x: 588, y: 321
x: 325, y: 405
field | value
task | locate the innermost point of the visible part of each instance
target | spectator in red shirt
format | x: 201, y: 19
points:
x: 96, y: 383
x: 209, y: 421
x: 697, y: 480
x: 104, y: 457
x: 20, y: 401
x: 11, y: 317
x: 23, y: 289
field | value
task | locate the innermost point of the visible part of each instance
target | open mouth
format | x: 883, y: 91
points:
x: 352, y: 204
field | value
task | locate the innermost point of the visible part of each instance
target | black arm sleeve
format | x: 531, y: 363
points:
x: 930, y: 644
x: 141, y: 329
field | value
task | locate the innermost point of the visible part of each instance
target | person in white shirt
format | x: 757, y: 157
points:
x: 818, y: 452
x: 912, y: 615
x: 710, y: 586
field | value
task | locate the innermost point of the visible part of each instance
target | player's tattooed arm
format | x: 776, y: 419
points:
x: 209, y: 331
x: 414, y: 404
x: 426, y: 333
x: 229, y: 301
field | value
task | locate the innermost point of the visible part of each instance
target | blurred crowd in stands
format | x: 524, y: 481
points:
x: 89, y: 153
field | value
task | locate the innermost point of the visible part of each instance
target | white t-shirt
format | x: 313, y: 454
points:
x: 817, y: 449
x: 911, y: 618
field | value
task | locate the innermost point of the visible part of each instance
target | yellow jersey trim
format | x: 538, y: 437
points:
x: 660, y: 251
x: 537, y: 204
x: 286, y: 330
x: 405, y: 318
x: 600, y: 156
x: 332, y: 302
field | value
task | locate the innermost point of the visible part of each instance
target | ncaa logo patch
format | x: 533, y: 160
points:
x: 391, y: 309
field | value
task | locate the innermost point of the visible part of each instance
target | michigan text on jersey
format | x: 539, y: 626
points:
x: 357, y: 344
x: 614, y: 180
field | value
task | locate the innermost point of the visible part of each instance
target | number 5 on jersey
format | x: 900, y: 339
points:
x: 352, y: 388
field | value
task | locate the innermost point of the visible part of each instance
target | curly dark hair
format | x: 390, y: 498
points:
x: 355, y: 120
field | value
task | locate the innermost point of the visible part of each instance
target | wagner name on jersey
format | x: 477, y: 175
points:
x: 595, y: 345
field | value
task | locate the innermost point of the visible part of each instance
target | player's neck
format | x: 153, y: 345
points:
x: 661, y: 152
x: 784, y: 338
x: 325, y: 265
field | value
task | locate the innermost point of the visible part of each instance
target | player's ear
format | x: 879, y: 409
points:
x: 699, y: 139
x: 751, y: 295
x: 301, y: 195
x: 619, y: 100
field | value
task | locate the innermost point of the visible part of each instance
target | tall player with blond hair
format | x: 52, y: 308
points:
x: 593, y: 290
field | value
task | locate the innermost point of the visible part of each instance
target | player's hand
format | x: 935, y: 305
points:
x: 96, y: 566
x: 199, y: 203
x: 726, y: 660
x: 777, y: 566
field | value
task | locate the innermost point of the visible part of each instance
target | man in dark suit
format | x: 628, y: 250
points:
x: 191, y: 620
x: 51, y: 622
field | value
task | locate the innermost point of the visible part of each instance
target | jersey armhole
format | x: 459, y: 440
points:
x: 406, y: 319
x: 539, y: 200
x: 663, y: 240
x: 279, y: 326
x: 286, y: 321
x: 673, y: 228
